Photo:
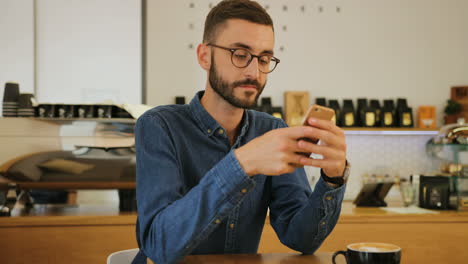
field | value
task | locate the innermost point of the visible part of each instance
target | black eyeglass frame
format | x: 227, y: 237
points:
x: 252, y: 56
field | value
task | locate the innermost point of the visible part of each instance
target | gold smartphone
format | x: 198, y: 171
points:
x: 318, y: 112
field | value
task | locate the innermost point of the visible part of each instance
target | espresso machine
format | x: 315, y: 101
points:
x: 449, y: 189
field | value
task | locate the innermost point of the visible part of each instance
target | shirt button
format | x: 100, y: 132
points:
x: 243, y: 190
x: 232, y: 226
x: 323, y: 223
x: 217, y: 221
x: 209, y: 130
x: 328, y: 198
x: 221, y: 131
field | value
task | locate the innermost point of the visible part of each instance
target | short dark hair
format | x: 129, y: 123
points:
x: 234, y: 9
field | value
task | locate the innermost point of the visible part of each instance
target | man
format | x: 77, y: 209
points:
x: 208, y: 171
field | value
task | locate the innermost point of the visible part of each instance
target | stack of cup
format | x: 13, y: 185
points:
x: 25, y: 106
x: 10, y: 99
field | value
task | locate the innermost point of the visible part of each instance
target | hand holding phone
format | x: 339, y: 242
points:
x: 318, y: 112
x: 276, y: 152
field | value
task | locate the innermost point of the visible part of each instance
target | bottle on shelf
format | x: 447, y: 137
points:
x: 266, y: 105
x: 321, y: 101
x: 348, y: 116
x: 361, y: 105
x: 335, y: 105
x: 387, y: 115
x: 277, y: 112
x: 180, y: 100
x: 374, y: 103
x: 404, y: 113
x: 367, y: 115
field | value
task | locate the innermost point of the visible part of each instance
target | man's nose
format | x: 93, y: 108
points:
x: 252, y: 71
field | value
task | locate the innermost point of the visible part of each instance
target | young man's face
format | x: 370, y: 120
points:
x: 241, y: 87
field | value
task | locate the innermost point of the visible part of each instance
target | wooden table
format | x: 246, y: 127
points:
x: 319, y: 258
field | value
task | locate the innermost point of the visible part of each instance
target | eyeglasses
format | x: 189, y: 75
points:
x: 241, y: 58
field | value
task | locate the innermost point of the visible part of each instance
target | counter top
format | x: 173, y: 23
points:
x: 42, y: 215
x: 352, y: 214
x: 68, y: 215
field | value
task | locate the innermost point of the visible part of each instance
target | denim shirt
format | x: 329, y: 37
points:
x: 193, y: 196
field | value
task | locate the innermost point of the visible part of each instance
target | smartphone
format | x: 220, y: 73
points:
x: 318, y: 112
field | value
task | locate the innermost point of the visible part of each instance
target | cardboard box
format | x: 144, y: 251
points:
x: 296, y: 104
x: 427, y: 116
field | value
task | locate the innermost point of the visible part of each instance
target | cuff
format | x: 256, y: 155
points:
x: 322, y: 187
x: 330, y: 197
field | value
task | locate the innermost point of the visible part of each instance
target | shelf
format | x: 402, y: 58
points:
x: 101, y: 120
x: 450, y: 145
x: 446, y: 152
x: 390, y: 131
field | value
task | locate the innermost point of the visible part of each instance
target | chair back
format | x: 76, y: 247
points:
x: 122, y: 257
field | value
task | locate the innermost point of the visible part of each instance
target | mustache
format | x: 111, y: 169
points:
x: 247, y: 82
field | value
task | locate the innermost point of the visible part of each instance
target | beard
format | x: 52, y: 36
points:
x: 226, y: 90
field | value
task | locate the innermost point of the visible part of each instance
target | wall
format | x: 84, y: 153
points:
x: 72, y: 51
x: 16, y: 44
x: 370, y: 48
x: 89, y: 51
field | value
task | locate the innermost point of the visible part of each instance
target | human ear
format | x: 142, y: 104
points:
x: 204, y: 56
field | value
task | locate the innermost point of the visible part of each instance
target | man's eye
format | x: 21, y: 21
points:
x: 265, y: 60
x: 240, y: 56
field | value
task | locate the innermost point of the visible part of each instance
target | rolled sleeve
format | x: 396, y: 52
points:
x: 236, y: 181
x: 331, y: 200
x: 301, y: 218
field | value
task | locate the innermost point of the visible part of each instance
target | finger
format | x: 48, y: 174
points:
x: 326, y: 151
x: 285, y: 168
x: 324, y: 164
x: 326, y: 125
x: 326, y: 137
x: 296, y: 160
x: 298, y: 132
x: 288, y: 146
x: 288, y: 151
x: 292, y: 146
x: 296, y: 165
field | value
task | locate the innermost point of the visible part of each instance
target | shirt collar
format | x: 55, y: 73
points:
x: 206, y: 122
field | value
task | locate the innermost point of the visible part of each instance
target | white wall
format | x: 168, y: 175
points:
x: 89, y: 51
x: 82, y: 51
x: 16, y: 44
x: 372, y: 48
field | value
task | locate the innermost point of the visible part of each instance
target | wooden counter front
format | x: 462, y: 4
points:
x: 88, y: 234
x: 53, y: 235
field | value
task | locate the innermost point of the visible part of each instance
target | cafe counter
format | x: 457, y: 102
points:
x: 88, y: 234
